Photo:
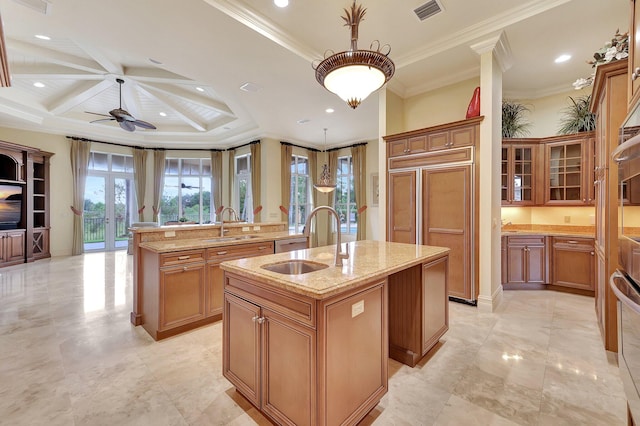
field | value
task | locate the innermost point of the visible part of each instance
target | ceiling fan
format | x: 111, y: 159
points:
x: 126, y: 120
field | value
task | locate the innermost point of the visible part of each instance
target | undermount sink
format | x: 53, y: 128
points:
x: 294, y: 267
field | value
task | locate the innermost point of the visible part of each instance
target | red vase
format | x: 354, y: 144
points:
x: 474, y: 106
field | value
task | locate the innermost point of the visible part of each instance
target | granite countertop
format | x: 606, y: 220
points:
x: 550, y: 230
x: 168, y: 245
x: 368, y: 260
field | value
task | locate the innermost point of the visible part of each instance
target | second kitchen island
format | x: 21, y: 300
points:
x: 311, y: 348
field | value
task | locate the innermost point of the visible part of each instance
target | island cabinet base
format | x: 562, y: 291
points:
x: 303, y: 361
x: 418, y: 310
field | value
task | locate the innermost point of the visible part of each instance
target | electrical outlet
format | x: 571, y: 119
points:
x: 567, y: 219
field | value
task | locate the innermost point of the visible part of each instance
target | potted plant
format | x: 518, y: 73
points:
x: 577, y: 117
x: 514, y: 123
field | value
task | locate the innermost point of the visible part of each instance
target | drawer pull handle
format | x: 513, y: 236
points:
x: 220, y: 253
x: 262, y: 248
x: 572, y: 242
x: 183, y: 257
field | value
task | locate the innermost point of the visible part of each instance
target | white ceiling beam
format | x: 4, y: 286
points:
x: 20, y: 114
x: 78, y: 94
x: 191, y: 97
x: 180, y: 111
x: 99, y: 57
x: 49, y: 72
x: 71, y: 61
x: 155, y: 75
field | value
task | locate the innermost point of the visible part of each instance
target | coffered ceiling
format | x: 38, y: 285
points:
x: 183, y: 62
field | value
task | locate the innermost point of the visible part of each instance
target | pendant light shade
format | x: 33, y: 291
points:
x: 355, y: 74
x: 324, y: 184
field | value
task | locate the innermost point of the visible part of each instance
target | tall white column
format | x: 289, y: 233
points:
x: 495, y: 58
x: 382, y: 164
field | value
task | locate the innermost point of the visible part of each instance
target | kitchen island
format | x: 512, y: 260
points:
x: 311, y: 346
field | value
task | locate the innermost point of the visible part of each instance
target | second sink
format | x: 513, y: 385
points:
x: 294, y: 267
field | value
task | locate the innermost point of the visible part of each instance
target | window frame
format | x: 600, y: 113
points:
x: 294, y: 205
x: 348, y: 227
x: 240, y: 176
x: 197, y: 180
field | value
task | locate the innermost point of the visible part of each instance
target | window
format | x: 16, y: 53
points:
x: 300, y: 203
x: 186, y: 195
x: 243, y: 201
x: 345, y: 196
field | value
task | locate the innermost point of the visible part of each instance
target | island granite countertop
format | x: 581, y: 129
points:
x: 368, y: 260
x: 170, y: 245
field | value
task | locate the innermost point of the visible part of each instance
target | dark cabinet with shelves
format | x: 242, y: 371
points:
x: 518, y: 174
x: 28, y: 169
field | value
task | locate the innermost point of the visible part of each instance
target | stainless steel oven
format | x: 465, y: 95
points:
x: 625, y: 282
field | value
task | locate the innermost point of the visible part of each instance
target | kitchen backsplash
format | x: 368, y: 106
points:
x: 574, y: 216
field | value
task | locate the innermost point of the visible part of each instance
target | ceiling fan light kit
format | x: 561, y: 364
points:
x: 123, y: 118
x: 355, y: 74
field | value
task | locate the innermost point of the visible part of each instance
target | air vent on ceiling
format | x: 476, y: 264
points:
x: 42, y: 6
x: 428, y: 9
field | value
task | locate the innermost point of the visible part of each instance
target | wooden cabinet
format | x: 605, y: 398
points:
x: 573, y: 261
x: 518, y: 174
x: 402, y: 207
x: 39, y: 244
x: 526, y: 260
x: 291, y: 244
x: 633, y: 79
x: 608, y: 102
x: 569, y: 170
x: 12, y: 244
x: 412, y: 145
x: 431, y: 197
x: 174, y: 291
x: 215, y: 275
x: 414, y: 328
x: 275, y: 351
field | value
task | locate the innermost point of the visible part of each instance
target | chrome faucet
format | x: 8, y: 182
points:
x: 307, y: 231
x: 230, y: 210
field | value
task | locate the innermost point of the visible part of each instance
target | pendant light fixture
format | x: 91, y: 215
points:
x: 355, y: 74
x: 324, y: 184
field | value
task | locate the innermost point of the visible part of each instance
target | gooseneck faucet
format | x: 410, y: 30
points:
x: 307, y: 231
x: 230, y: 210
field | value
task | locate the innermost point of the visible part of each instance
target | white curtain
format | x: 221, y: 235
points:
x: 140, y: 179
x: 216, y: 179
x: 159, y: 157
x: 285, y: 180
x: 79, y: 169
x: 359, y: 158
x: 256, y: 169
x: 313, y: 178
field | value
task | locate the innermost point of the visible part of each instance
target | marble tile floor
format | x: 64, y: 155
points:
x: 69, y: 356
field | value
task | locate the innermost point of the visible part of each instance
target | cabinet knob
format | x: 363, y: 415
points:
x: 592, y: 253
x: 258, y: 319
x: 184, y: 269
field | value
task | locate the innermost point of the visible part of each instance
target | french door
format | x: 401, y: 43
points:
x: 109, y: 206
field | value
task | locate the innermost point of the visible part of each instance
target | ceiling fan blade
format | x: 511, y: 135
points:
x: 121, y: 114
x: 96, y: 113
x: 102, y: 119
x: 127, y: 125
x: 144, y: 124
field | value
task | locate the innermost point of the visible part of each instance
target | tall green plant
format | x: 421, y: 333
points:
x: 577, y: 117
x: 514, y: 123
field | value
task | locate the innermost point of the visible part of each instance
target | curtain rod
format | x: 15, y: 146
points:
x: 300, y: 146
x: 143, y: 147
x: 347, y: 146
x: 243, y: 145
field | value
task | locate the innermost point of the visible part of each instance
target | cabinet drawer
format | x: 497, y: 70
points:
x: 220, y: 254
x: 585, y: 244
x: 525, y: 240
x: 178, y: 258
x: 299, y: 308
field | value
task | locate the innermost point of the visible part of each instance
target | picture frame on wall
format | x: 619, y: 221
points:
x: 375, y: 189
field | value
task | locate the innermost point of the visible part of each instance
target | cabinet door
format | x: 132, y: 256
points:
x: 14, y: 246
x: 446, y: 221
x: 565, y: 173
x: 573, y: 263
x: 181, y: 295
x: 241, y: 349
x: 417, y: 144
x: 522, y: 175
x: 214, y: 292
x: 402, y: 207
x: 288, y: 370
x: 397, y: 148
x: 536, y: 265
x: 435, y: 302
x: 516, y: 264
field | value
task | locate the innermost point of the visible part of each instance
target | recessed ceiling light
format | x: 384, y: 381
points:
x: 281, y: 3
x: 43, y: 37
x: 562, y: 58
x: 155, y: 61
x: 329, y: 110
x: 250, y: 87
x: 163, y: 114
x: 38, y: 84
x: 303, y: 121
x: 199, y: 89
x: 227, y: 128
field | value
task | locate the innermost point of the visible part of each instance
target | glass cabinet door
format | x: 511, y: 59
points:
x: 504, y: 175
x: 517, y: 175
x: 565, y: 172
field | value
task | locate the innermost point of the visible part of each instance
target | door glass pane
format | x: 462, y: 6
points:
x: 190, y: 190
x: 98, y: 161
x: 95, y: 213
x: 169, y: 207
x: 123, y: 197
